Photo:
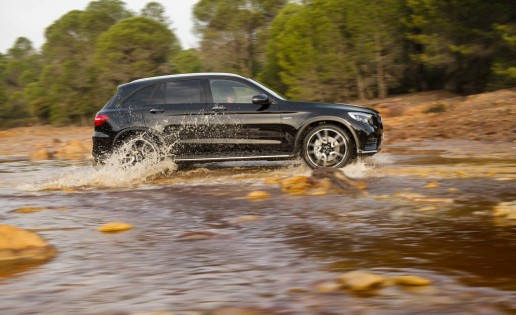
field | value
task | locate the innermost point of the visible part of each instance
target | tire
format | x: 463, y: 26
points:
x: 327, y: 146
x: 138, y: 149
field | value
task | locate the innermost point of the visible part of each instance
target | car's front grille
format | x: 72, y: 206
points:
x: 371, y: 144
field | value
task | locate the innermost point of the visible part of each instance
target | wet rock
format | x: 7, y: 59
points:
x: 411, y: 280
x: 428, y: 208
x: 322, y: 181
x: 272, y: 180
x: 115, y: 227
x: 259, y: 194
x: 41, y: 154
x: 361, y: 281
x: 296, y: 185
x: 339, y: 181
x: 246, y: 218
x: 18, y: 244
x: 73, y: 150
x: 199, y: 235
x: 26, y: 210
x: 433, y: 184
x: 328, y: 287
x: 505, y: 209
x: 239, y: 311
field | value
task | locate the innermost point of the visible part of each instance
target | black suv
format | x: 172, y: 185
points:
x: 218, y: 116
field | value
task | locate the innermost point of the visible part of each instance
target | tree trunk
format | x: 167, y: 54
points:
x: 380, y: 75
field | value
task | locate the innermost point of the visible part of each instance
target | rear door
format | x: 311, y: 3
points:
x: 177, y: 110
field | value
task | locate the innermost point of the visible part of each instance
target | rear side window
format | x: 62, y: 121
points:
x: 183, y: 92
x: 140, y: 98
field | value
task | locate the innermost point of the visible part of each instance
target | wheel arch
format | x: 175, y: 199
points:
x: 310, y: 124
x: 131, y: 132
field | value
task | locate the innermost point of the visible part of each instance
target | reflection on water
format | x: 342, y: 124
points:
x: 272, y: 263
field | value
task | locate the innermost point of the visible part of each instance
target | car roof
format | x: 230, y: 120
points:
x: 187, y: 75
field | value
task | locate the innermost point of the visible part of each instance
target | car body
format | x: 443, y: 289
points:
x: 189, y: 117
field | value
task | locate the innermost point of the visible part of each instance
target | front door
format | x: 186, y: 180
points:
x: 240, y: 128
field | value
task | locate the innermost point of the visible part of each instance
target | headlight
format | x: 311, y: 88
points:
x: 361, y: 117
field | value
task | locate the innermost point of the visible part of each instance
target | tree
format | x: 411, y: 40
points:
x: 20, y: 67
x: 186, y: 61
x: 234, y: 32
x: 65, y: 91
x: 330, y: 50
x: 134, y: 48
x: 458, y: 39
x: 156, y: 11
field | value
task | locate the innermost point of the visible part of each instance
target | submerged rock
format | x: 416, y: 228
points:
x: 259, y: 194
x: 246, y: 218
x: 73, y: 150
x: 41, y: 154
x: 19, y: 244
x: 505, y: 209
x: 411, y: 280
x: 296, y: 185
x: 323, y: 180
x: 328, y: 287
x: 433, y: 184
x: 199, y: 235
x: 360, y: 281
x: 115, y: 227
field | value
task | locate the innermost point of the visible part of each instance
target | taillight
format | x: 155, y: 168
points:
x: 100, y: 119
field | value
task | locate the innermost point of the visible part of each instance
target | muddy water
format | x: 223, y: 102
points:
x: 272, y: 264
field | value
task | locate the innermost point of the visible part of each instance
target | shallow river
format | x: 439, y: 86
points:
x: 274, y: 262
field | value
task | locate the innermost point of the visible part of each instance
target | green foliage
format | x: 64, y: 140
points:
x: 133, y: 48
x: 186, y: 61
x: 233, y: 33
x: 155, y: 11
x: 320, y: 50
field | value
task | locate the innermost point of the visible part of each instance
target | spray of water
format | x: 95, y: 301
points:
x: 130, y: 165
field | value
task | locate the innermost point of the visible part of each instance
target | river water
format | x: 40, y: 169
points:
x: 192, y: 248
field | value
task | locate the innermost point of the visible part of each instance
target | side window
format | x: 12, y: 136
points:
x: 140, y: 98
x: 228, y: 91
x: 158, y: 98
x: 183, y: 92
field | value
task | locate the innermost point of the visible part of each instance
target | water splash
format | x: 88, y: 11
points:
x: 117, y: 172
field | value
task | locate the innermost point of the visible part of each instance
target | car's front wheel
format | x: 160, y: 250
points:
x: 327, y: 146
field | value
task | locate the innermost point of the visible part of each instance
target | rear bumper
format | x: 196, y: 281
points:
x: 102, y: 145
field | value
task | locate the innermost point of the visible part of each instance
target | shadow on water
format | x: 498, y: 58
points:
x: 271, y: 261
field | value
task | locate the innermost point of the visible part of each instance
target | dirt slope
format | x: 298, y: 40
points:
x: 441, y: 115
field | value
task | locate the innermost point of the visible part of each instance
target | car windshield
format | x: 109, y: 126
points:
x: 268, y: 90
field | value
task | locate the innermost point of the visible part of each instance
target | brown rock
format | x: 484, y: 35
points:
x: 411, y: 280
x: 41, y: 154
x: 296, y: 185
x: 361, y: 281
x: 19, y: 244
x: 115, y: 227
x: 73, y: 150
x: 247, y: 218
x: 259, y: 194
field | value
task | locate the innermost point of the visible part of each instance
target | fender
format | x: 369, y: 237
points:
x: 325, y: 119
x: 135, y: 130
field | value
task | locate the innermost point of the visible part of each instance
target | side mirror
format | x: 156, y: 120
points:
x: 261, y: 99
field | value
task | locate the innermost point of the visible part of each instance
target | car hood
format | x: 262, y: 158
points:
x: 339, y: 106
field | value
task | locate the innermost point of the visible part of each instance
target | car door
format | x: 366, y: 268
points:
x: 239, y: 126
x: 178, y: 111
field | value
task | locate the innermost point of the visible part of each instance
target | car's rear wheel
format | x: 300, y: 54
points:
x: 139, y: 149
x: 327, y: 146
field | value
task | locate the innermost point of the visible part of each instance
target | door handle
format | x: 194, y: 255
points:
x: 219, y: 108
x: 155, y: 111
